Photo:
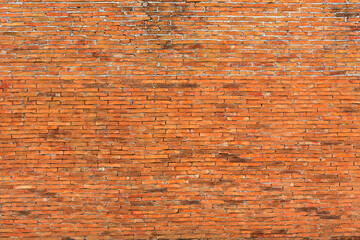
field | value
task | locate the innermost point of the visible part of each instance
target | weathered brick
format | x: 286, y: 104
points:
x: 179, y: 119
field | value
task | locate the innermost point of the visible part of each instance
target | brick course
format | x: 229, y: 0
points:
x: 179, y: 119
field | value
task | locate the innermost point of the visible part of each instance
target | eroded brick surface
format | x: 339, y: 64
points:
x: 179, y: 119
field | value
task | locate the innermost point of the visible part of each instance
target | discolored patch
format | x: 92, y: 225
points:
x: 188, y: 85
x: 322, y: 214
x: 326, y: 176
x: 337, y: 73
x: 221, y: 183
x: 11, y: 33
x: 194, y: 46
x: 48, y: 94
x: 167, y: 45
x: 181, y: 154
x: 23, y: 213
x: 154, y: 190
x: 233, y: 158
x: 331, y: 217
x: 347, y: 14
x: 271, y: 189
x: 307, y: 209
x: 142, y: 203
x: 289, y: 172
x: 164, y: 85
x: 96, y: 85
x: 354, y: 28
x: 350, y: 110
x: 331, y: 143
x: 280, y: 231
x: 67, y: 238
x: 346, y: 238
x: 275, y: 163
x: 258, y: 234
x: 49, y: 194
x: 188, y: 202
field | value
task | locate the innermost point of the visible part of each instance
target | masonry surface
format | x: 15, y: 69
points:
x: 179, y: 119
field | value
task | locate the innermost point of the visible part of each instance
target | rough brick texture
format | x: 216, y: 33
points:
x: 179, y: 119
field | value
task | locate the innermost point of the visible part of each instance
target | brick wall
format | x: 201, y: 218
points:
x: 179, y: 119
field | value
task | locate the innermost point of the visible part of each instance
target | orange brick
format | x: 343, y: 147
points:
x: 180, y: 119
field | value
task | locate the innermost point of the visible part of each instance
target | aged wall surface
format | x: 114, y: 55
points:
x: 179, y: 119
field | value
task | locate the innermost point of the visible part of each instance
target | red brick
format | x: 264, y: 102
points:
x: 179, y: 119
